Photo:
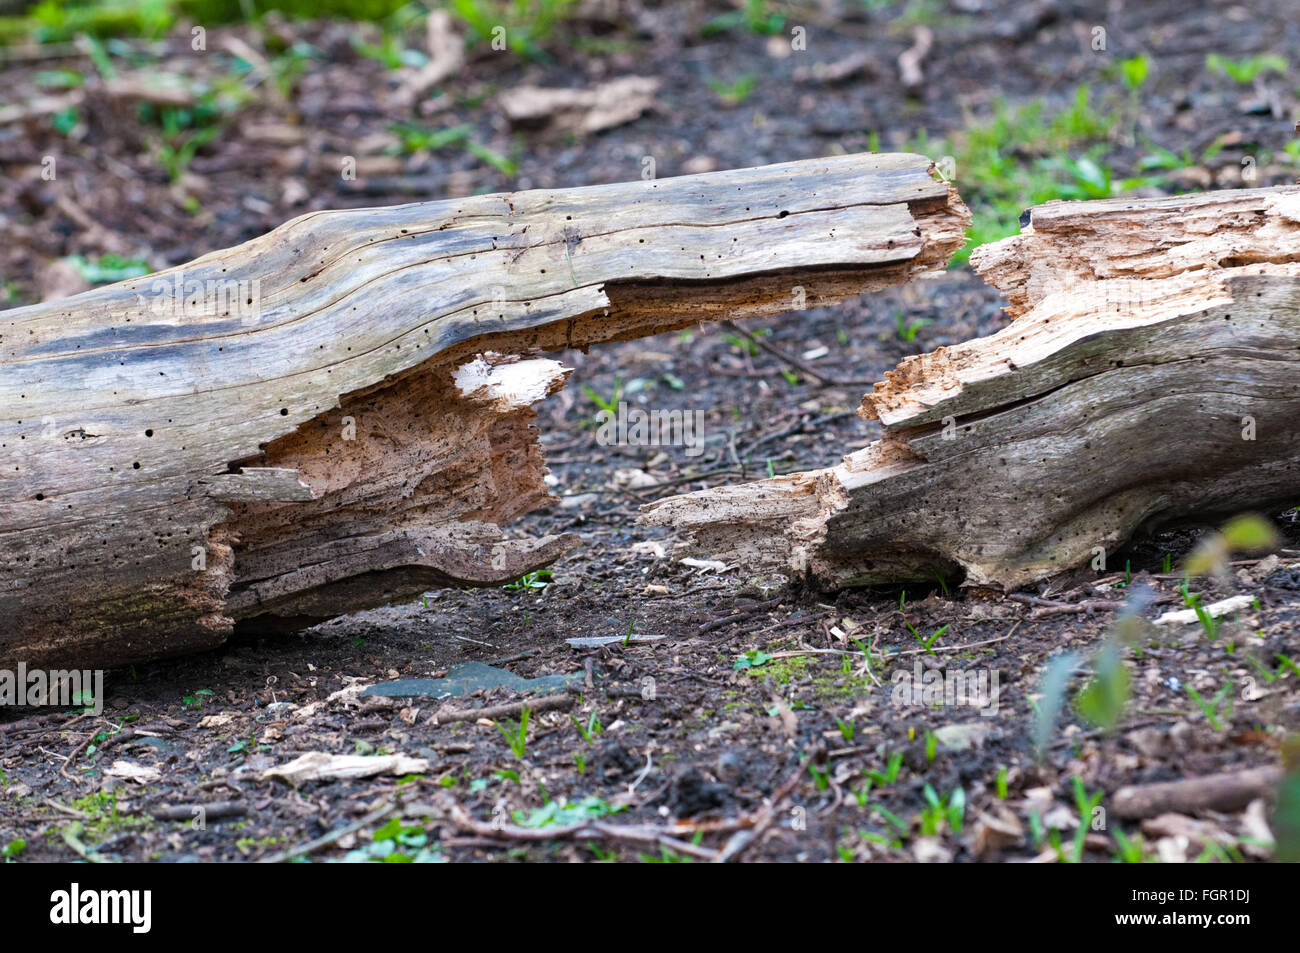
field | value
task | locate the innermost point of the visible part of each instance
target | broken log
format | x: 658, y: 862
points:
x: 336, y: 416
x: 1150, y: 377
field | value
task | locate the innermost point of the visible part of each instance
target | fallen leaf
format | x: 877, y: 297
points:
x: 130, y: 771
x: 320, y: 766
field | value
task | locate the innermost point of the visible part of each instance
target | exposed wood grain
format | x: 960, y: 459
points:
x: 314, y: 422
x: 1152, y: 377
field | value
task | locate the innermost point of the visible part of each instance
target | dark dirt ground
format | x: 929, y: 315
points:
x: 702, y: 745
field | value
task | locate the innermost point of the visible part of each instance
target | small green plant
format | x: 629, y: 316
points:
x: 1246, y: 534
x: 751, y: 659
x: 1103, y: 699
x: 1085, y: 804
x: 847, y: 729
x: 890, y: 774
x: 1220, y: 853
x: 610, y: 406
x: 1134, y: 71
x: 185, y: 130
x: 58, y: 21
x: 1220, y: 706
x: 412, y: 138
x: 1192, y: 600
x: 926, y: 643
x: 560, y: 814
x: 533, y: 580
x: 516, y: 734
x: 524, y: 25
x: 931, y: 746
x: 1289, y: 664
x: 1036, y: 830
x: 1053, y: 686
x: 746, y: 345
x: 943, y: 583
x: 1262, y: 670
x: 195, y: 701
x: 1002, y: 783
x: 1208, y: 622
x: 868, y: 652
x: 580, y: 761
x: 391, y: 50
x: 1085, y: 178
x: 950, y: 808
x: 13, y: 849
x: 666, y: 856
x: 1127, y: 850
x: 592, y: 730
x: 821, y: 776
x: 108, y: 268
x: 733, y: 94
x: 1012, y: 161
x: 250, y: 745
x: 1247, y: 69
x: 65, y: 120
x: 756, y: 16
x: 396, y: 843
x: 908, y: 330
x: 289, y: 67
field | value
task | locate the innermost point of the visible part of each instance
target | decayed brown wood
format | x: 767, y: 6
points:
x: 1151, y: 376
x: 1231, y: 791
x: 337, y: 415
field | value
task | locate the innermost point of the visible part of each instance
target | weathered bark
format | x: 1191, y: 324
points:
x: 1151, y: 376
x: 345, y: 433
x: 1228, y: 792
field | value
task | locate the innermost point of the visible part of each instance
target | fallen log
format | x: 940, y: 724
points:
x: 1151, y: 376
x: 335, y: 415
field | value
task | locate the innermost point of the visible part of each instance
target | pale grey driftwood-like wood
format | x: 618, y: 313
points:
x: 286, y: 430
x: 1151, y: 378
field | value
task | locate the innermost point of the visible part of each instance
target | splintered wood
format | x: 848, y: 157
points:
x: 1150, y: 377
x: 339, y: 414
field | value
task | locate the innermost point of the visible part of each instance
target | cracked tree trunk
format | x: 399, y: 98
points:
x: 338, y: 414
x: 1151, y: 377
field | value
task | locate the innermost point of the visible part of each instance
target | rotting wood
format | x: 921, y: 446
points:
x: 1151, y: 377
x: 1228, y: 792
x: 335, y: 415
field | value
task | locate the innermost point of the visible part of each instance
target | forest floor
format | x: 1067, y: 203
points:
x: 730, y: 702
